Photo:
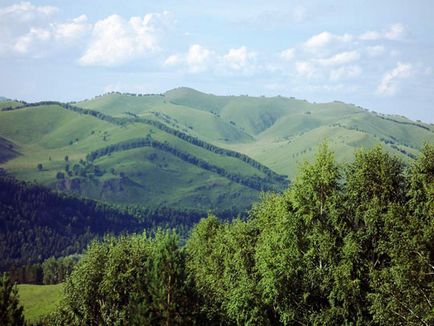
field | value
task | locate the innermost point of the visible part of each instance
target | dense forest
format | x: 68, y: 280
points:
x: 348, y: 244
x: 37, y: 223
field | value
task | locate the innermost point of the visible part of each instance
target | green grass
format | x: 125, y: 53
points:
x: 39, y: 300
x: 46, y: 134
x: 278, y: 132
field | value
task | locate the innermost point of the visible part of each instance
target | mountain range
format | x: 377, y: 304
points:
x: 187, y: 149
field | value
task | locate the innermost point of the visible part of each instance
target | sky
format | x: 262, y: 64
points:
x: 375, y: 54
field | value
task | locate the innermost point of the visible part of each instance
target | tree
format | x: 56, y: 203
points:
x: 405, y: 286
x: 136, y: 278
x: 39, y: 166
x: 11, y: 313
x: 60, y: 175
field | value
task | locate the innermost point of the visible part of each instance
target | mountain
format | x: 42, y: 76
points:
x: 185, y: 148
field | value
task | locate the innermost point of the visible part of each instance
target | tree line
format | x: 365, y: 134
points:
x: 254, y: 182
x: 348, y: 244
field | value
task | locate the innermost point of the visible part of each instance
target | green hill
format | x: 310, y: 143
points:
x: 185, y: 148
x: 278, y: 132
x: 53, y: 141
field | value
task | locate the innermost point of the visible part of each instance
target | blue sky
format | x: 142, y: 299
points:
x: 376, y: 54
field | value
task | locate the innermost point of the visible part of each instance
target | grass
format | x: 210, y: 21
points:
x: 278, y: 132
x: 46, y: 134
x: 39, y: 300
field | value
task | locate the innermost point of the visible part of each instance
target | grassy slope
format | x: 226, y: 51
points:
x: 46, y: 134
x: 39, y: 300
x: 278, y: 132
x: 286, y: 130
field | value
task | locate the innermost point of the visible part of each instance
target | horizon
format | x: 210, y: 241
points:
x: 375, y: 55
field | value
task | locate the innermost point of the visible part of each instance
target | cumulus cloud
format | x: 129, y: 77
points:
x: 305, y: 69
x: 25, y: 11
x: 71, y: 30
x: 394, y: 32
x: 24, y: 43
x: 340, y: 58
x: 319, y: 40
x: 197, y: 59
x: 31, y: 30
x: 116, y: 41
x: 42, y: 39
x: 390, y: 81
x: 324, y: 38
x: 287, y: 54
x: 345, y: 72
x: 239, y: 59
x: 21, y: 24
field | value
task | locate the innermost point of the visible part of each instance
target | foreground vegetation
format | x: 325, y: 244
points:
x: 39, y: 300
x: 343, y: 245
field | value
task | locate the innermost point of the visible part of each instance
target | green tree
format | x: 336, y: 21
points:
x: 405, y: 286
x: 130, y: 279
x: 11, y: 313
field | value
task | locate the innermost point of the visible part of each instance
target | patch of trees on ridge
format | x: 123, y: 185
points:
x: 346, y: 244
x: 254, y: 182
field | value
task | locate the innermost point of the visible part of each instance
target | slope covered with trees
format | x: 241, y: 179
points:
x: 37, y: 223
x: 348, y: 244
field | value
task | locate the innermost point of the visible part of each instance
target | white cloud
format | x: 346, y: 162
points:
x: 345, y: 72
x: 74, y: 29
x: 319, y: 40
x: 24, y: 43
x: 340, y: 58
x: 370, y: 36
x: 174, y: 59
x: 21, y: 26
x: 305, y: 69
x: 116, y: 41
x: 394, y: 32
x: 375, y: 51
x: 287, y: 54
x: 239, y: 59
x: 389, y: 82
x: 198, y: 58
x: 324, y: 38
x: 26, y: 11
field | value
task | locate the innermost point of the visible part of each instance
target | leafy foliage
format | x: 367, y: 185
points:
x: 343, y: 245
x: 11, y: 313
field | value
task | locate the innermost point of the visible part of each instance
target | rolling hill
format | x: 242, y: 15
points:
x: 185, y: 148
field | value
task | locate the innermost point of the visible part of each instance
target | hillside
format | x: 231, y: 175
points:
x: 173, y: 169
x: 279, y: 132
x: 185, y: 148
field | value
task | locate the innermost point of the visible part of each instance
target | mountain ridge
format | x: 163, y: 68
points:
x: 203, y: 151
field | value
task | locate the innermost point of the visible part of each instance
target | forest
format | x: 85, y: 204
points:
x: 344, y: 244
x: 37, y: 223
